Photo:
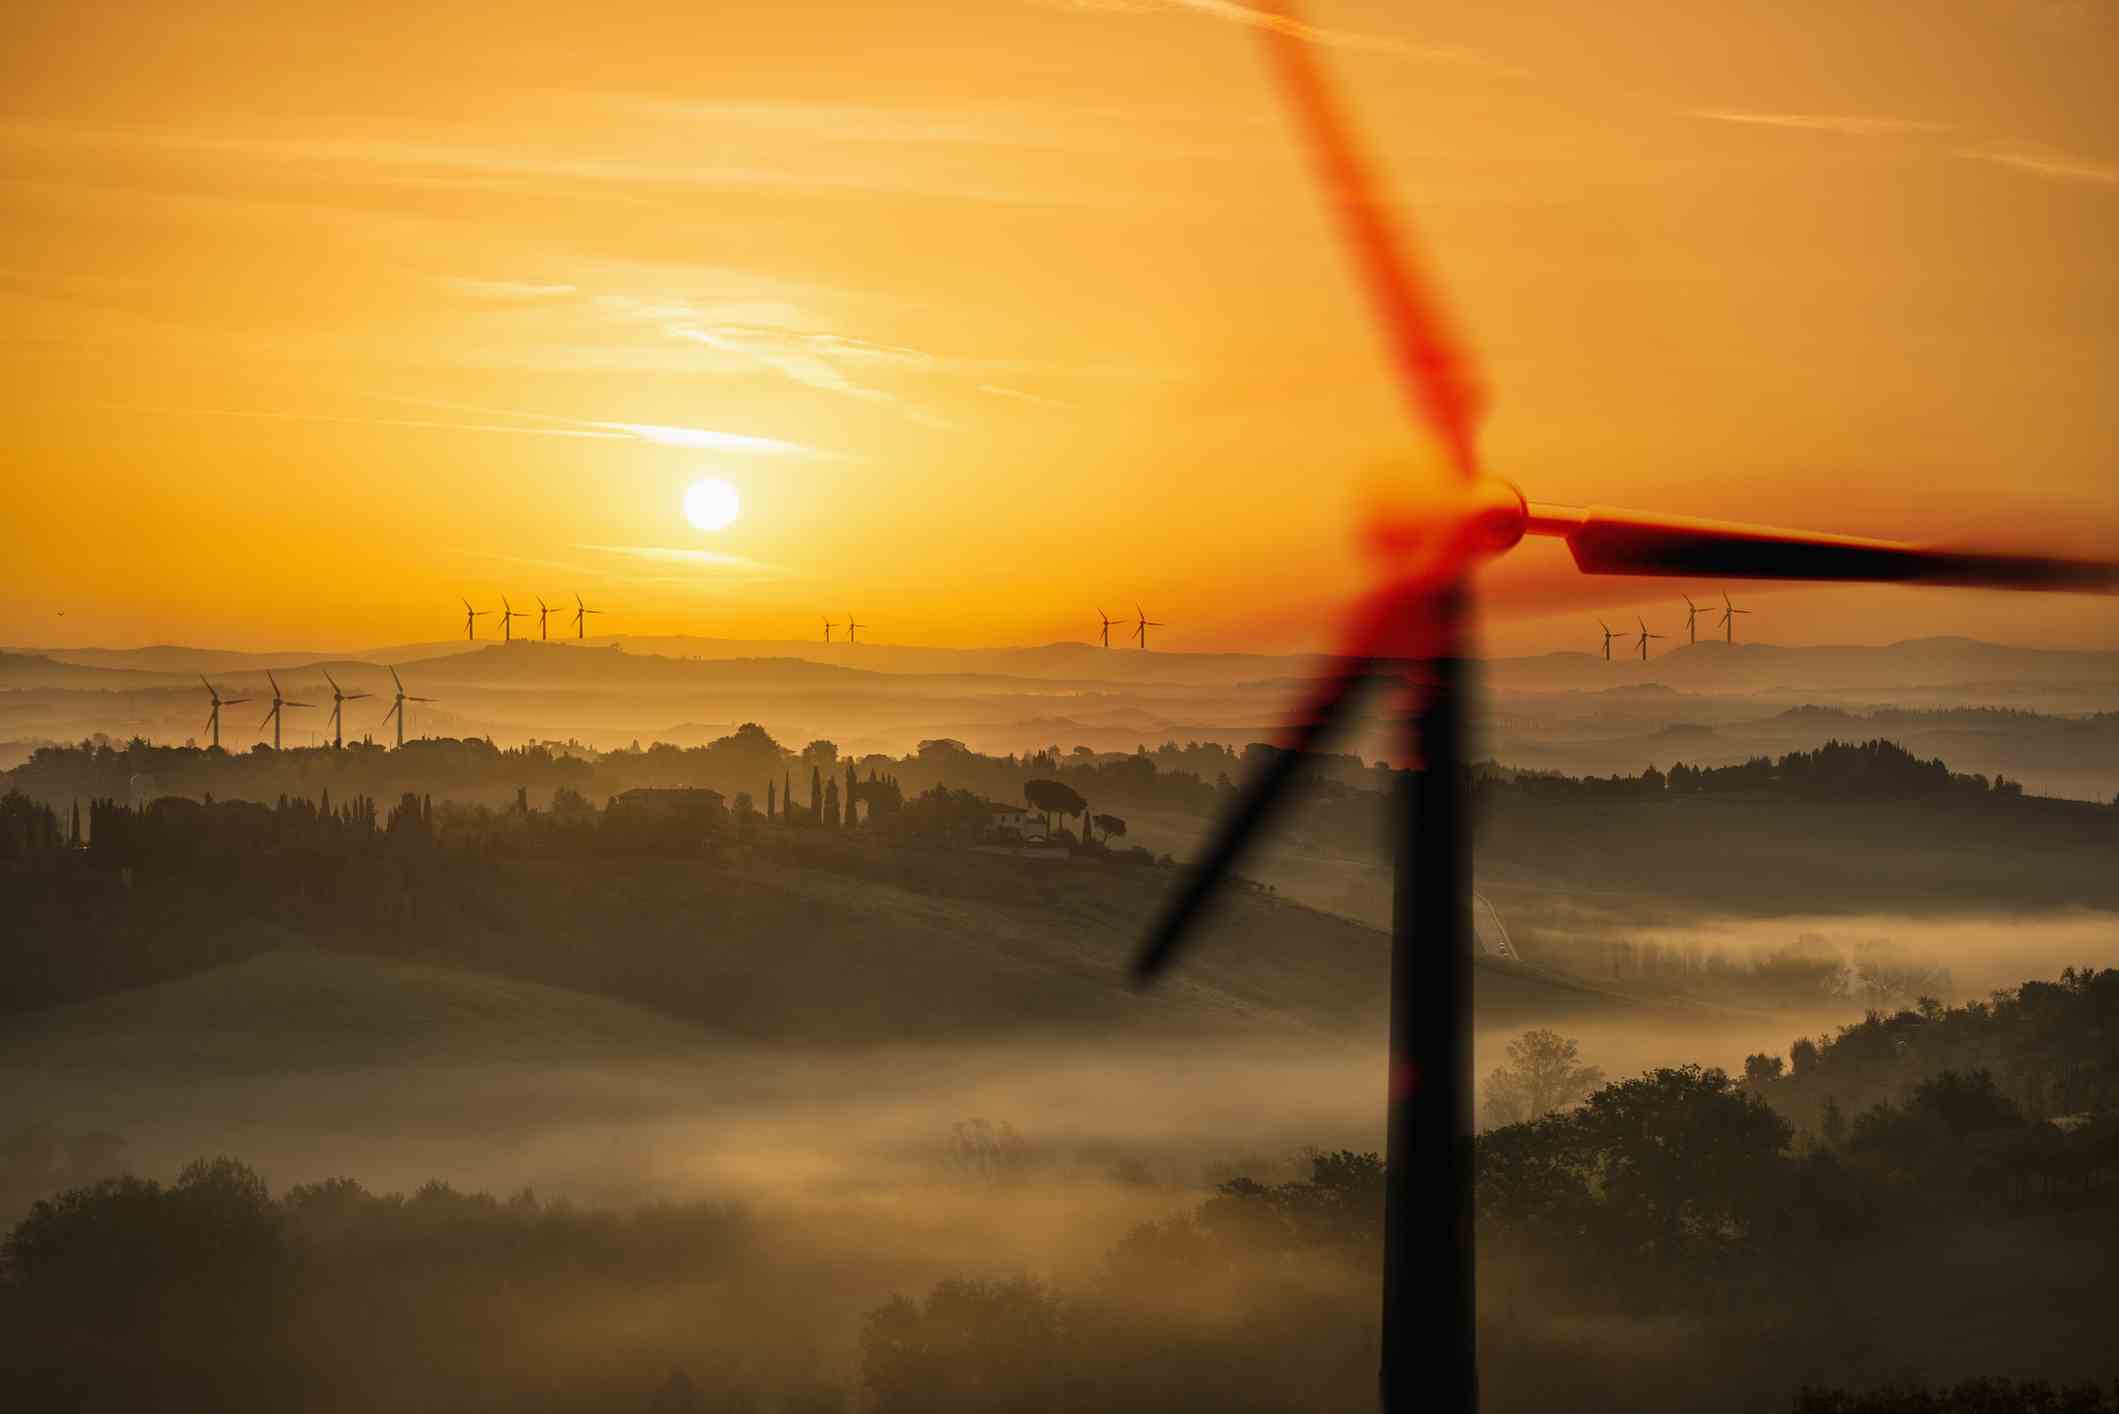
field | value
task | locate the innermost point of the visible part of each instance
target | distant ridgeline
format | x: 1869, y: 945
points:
x: 1195, y: 778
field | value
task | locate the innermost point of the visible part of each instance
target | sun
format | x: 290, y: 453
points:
x: 712, y: 504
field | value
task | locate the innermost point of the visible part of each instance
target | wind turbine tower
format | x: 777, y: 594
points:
x: 1140, y: 628
x: 397, y: 707
x: 1729, y: 613
x: 828, y: 627
x: 277, y: 703
x: 850, y: 627
x: 581, y: 618
x: 508, y: 614
x: 471, y: 618
x: 339, y: 698
x: 213, y: 722
x: 1645, y: 636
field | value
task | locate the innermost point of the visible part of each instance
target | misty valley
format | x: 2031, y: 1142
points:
x: 745, y: 1076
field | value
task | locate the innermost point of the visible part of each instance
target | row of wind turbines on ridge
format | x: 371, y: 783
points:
x: 339, y: 698
x: 508, y: 613
x: 1692, y: 617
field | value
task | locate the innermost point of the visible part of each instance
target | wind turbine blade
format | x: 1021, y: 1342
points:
x: 1432, y: 368
x: 333, y: 681
x: 422, y: 699
x: 269, y: 716
x: 394, y: 678
x: 357, y: 696
x: 274, y: 681
x: 233, y: 701
x: 1629, y: 543
x: 1240, y: 827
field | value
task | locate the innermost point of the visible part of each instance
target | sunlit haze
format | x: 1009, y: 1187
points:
x: 321, y: 316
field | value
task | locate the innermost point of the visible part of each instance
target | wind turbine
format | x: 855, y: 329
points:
x: 339, y: 698
x: 828, y: 627
x: 508, y: 614
x: 1108, y: 621
x: 1730, y: 611
x: 851, y: 626
x: 277, y: 702
x: 581, y: 616
x: 1140, y: 629
x: 213, y: 721
x: 1692, y: 614
x: 1408, y: 633
x: 1608, y: 636
x: 1645, y: 636
x: 544, y: 611
x: 471, y: 617
x: 397, y: 708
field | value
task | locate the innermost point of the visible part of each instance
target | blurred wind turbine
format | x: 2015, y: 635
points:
x: 471, y: 617
x: 508, y: 614
x: 1730, y: 611
x: 213, y: 721
x: 1407, y: 633
x: 278, y: 702
x: 851, y: 626
x: 828, y: 627
x: 1645, y: 636
x: 581, y: 616
x: 397, y: 708
x: 1108, y: 621
x: 1608, y: 636
x: 1140, y: 629
x: 1692, y: 614
x: 339, y: 699
x: 544, y: 611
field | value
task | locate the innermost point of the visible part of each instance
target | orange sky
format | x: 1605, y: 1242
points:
x: 319, y: 316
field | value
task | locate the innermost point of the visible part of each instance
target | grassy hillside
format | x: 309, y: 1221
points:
x: 300, y: 1008
x: 822, y: 940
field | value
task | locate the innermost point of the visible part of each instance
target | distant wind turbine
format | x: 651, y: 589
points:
x: 1692, y: 614
x: 1608, y: 636
x: 277, y: 702
x: 581, y: 616
x: 544, y: 611
x: 850, y: 627
x: 1729, y: 613
x: 339, y: 698
x: 508, y: 614
x: 471, y: 618
x: 828, y: 627
x: 1108, y: 621
x: 397, y: 708
x: 213, y: 722
x: 1645, y: 636
x: 1140, y: 629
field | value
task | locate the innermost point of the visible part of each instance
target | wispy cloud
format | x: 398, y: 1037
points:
x: 592, y: 430
x: 2047, y: 162
x: 674, y: 555
x: 1252, y: 17
x: 660, y: 434
x: 1018, y: 395
x: 1845, y: 124
x: 504, y: 289
x: 812, y: 360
